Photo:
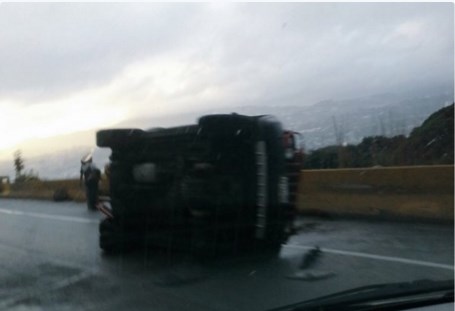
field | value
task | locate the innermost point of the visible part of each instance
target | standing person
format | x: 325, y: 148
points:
x: 91, y: 176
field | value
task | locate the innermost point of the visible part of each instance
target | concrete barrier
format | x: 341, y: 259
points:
x: 418, y: 192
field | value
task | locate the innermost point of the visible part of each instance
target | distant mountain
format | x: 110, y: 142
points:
x: 428, y: 144
x: 432, y: 142
x: 323, y: 124
x: 349, y: 121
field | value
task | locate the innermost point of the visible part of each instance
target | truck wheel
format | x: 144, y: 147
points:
x: 112, y: 239
x: 118, y: 138
x: 107, y: 226
x: 226, y: 124
x: 107, y: 239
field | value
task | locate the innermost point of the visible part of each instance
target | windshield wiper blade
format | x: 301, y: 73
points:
x: 379, y: 296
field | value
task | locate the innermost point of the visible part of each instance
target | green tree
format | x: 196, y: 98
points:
x: 18, y: 163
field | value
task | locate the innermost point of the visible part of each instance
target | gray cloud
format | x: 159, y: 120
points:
x: 255, y: 52
x: 54, y: 48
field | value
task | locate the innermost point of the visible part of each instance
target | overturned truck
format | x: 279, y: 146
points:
x: 225, y: 184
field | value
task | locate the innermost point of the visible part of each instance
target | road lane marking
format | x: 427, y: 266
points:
x: 49, y: 216
x: 373, y: 256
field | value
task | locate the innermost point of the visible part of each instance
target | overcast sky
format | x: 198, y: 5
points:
x: 71, y: 67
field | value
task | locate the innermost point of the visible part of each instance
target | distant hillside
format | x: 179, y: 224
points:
x: 349, y: 121
x: 429, y: 144
x: 432, y: 142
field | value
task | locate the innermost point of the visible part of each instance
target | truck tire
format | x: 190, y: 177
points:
x: 112, y: 239
x: 226, y: 124
x: 118, y: 138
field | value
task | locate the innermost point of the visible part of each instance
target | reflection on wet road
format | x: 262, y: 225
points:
x: 50, y: 260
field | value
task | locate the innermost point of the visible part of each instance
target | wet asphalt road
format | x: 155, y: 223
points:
x: 50, y: 260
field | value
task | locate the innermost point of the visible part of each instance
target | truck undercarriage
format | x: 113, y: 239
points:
x: 222, y: 185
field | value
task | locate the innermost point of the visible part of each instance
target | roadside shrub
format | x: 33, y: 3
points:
x: 27, y: 177
x: 61, y: 194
